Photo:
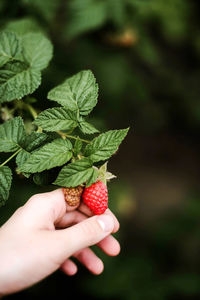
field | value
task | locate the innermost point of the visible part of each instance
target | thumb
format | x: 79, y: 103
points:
x: 84, y: 234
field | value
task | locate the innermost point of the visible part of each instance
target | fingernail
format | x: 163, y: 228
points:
x: 106, y: 222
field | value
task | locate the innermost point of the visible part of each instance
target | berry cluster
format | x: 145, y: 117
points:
x: 94, y: 196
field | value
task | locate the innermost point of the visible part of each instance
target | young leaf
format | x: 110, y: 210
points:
x: 77, y: 147
x: 5, y: 184
x: 87, y: 128
x: 9, y: 46
x: 17, y: 80
x: 11, y: 135
x: 51, y: 155
x: 58, y: 118
x: 78, y: 92
x: 37, y: 50
x: 105, y: 145
x: 77, y: 173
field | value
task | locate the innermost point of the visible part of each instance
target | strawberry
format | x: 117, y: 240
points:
x: 73, y: 195
x: 96, y: 197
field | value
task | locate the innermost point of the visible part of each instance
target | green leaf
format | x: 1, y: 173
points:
x: 9, y: 46
x: 51, y: 155
x: 17, y: 80
x: 34, y: 140
x: 11, y: 135
x: 77, y: 147
x: 78, y: 92
x: 45, y: 177
x: 37, y: 50
x: 77, y: 173
x: 105, y: 145
x: 87, y: 128
x: 93, y: 178
x: 87, y: 16
x: 5, y: 184
x: 58, y: 118
x: 30, y: 143
x: 23, y: 25
x: 21, y: 158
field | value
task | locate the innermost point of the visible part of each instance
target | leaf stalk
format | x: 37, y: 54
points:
x: 9, y: 158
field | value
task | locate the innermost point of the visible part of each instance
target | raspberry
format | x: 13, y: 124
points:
x: 73, y: 195
x: 96, y: 197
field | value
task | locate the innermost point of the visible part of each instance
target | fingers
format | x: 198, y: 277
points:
x: 69, y: 267
x: 109, y: 245
x: 68, y: 241
x: 70, y: 218
x: 87, y: 258
x: 90, y: 260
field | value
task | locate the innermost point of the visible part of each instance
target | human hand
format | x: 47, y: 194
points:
x: 41, y: 236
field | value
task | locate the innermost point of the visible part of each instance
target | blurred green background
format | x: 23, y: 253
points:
x: 145, y: 55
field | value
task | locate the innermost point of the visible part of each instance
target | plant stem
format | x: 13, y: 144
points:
x: 31, y: 110
x: 9, y: 158
x: 65, y: 135
x: 19, y: 104
x: 75, y: 138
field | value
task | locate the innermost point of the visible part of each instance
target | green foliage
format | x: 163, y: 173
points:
x: 87, y: 128
x: 77, y: 147
x: 23, y: 26
x: 87, y: 15
x: 37, y: 50
x: 78, y: 93
x: 22, y: 56
x: 34, y: 140
x: 11, y: 135
x: 58, y: 118
x: 5, y: 183
x: 30, y: 143
x: 45, y: 177
x: 9, y: 47
x: 51, y: 155
x: 38, y: 151
x: 77, y: 173
x: 105, y: 145
x: 21, y: 61
x: 145, y: 55
x: 17, y: 80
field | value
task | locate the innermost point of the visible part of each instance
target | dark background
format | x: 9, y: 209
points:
x: 145, y: 55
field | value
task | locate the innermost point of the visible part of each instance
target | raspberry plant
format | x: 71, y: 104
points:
x: 54, y: 148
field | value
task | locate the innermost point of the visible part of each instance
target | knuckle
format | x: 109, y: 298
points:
x: 34, y: 198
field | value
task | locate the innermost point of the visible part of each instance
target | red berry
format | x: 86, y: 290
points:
x: 96, y: 197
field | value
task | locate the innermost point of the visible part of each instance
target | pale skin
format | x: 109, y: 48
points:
x: 42, y: 235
